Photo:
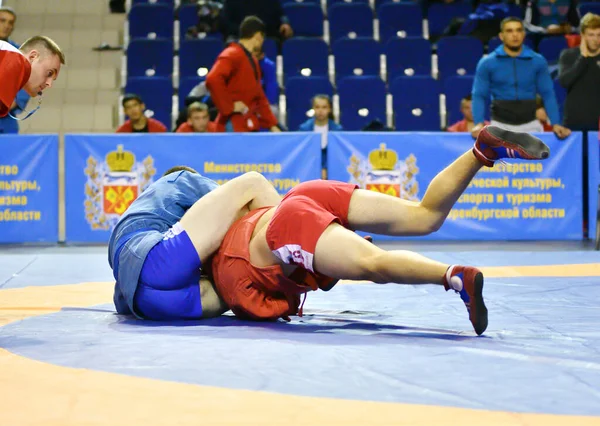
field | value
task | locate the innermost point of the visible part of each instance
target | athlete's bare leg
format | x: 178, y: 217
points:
x: 208, y: 220
x: 381, y: 214
x: 377, y: 213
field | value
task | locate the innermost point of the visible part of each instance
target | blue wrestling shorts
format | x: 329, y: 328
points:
x: 169, y: 285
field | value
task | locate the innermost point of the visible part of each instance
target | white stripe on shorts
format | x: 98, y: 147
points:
x: 175, y: 230
x: 292, y: 254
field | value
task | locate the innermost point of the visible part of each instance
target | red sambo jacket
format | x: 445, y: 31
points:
x: 236, y: 76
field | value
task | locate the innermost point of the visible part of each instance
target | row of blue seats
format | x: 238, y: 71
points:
x: 402, y: 19
x: 309, y: 57
x: 345, y: 19
x: 416, y: 100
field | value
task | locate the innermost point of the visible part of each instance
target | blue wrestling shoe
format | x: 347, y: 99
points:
x: 494, y: 143
x: 468, y: 282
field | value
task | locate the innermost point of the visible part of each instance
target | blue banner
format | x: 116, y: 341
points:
x: 593, y: 181
x: 28, y: 188
x: 520, y: 200
x: 97, y: 195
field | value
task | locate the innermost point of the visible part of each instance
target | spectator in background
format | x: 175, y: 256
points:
x: 134, y: 108
x: 513, y: 75
x: 466, y: 124
x: 234, y: 83
x: 551, y: 16
x: 268, y: 11
x: 198, y: 120
x: 8, y: 18
x: 322, y: 122
x: 579, y: 73
x: 541, y: 115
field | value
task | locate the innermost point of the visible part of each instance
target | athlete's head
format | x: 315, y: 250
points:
x: 46, y: 58
x: 198, y: 116
x: 321, y: 105
x: 179, y: 169
x: 133, y: 107
x: 252, y: 34
x: 590, y: 32
x: 8, y: 17
x: 512, y: 33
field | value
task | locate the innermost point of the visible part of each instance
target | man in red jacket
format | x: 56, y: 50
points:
x: 234, y: 83
x: 33, y: 67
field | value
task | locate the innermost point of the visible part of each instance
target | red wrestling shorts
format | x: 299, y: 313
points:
x: 303, y: 215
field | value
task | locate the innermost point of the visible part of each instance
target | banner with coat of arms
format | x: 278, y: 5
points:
x: 518, y: 200
x: 104, y: 174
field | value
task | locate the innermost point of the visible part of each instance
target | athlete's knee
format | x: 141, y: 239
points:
x: 429, y: 221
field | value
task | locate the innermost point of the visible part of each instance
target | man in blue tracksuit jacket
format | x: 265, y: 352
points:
x: 513, y: 75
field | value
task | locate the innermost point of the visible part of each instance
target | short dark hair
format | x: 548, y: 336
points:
x: 131, y: 97
x: 179, y: 169
x: 250, y: 26
x: 469, y: 97
x: 510, y: 19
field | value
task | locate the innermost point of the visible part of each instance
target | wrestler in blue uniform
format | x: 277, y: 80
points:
x: 155, y: 264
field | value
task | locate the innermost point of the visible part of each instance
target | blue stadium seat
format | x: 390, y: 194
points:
x: 407, y: 56
x: 270, y: 48
x: 169, y: 2
x: 551, y: 46
x: 332, y: 2
x: 440, y: 15
x: 305, y: 56
x: 151, y: 21
x: 358, y: 57
x: 456, y: 87
x: 300, y: 1
x: 196, y: 57
x: 299, y: 92
x: 157, y: 94
x: 458, y: 55
x: 362, y: 100
x: 495, y: 42
x: 416, y: 102
x: 186, y: 85
x: 305, y: 19
x: 400, y: 20
x: 586, y: 7
x: 350, y: 20
x: 150, y: 58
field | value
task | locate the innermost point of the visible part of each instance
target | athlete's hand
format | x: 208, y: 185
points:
x: 275, y: 129
x: 239, y: 106
x: 560, y: 131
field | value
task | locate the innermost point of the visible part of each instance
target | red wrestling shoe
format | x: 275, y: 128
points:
x: 468, y: 282
x: 494, y: 143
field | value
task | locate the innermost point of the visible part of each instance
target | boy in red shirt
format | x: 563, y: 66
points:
x: 33, y: 67
x: 198, y: 120
x: 134, y: 108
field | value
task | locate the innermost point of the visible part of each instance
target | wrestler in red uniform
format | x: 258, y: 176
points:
x: 33, y: 67
x: 271, y: 256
